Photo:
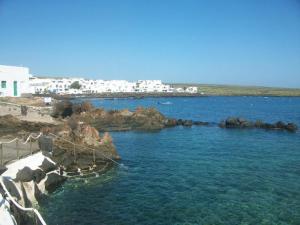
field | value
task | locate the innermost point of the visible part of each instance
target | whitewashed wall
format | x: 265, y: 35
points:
x: 13, y: 73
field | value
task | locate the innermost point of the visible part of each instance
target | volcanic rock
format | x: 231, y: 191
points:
x: 47, y: 166
x: 24, y: 175
x: 54, y: 181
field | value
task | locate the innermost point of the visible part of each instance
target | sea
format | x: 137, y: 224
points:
x: 193, y: 175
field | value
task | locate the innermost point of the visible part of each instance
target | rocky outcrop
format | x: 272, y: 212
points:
x: 25, y: 175
x: 236, y: 122
x: 48, y: 166
x: 90, y: 152
x: 38, y: 175
x: 145, y: 119
x: 119, y: 120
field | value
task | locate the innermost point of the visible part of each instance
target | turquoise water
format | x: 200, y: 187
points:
x: 198, y: 175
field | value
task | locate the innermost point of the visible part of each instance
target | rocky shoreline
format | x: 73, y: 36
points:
x: 77, y: 148
x: 109, y: 95
x: 141, y: 119
x: 69, y: 148
x: 150, y: 119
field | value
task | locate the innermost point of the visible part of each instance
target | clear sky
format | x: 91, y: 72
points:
x: 249, y: 42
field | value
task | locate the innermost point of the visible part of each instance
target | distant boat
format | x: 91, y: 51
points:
x: 165, y: 103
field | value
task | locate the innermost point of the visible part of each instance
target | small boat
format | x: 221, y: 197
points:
x: 165, y: 103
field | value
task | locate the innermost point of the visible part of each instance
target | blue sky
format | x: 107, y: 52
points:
x: 255, y: 42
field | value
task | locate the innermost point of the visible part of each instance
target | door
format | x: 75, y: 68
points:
x: 15, y: 88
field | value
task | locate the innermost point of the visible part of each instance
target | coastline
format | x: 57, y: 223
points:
x: 33, y: 166
x: 112, y: 96
x: 147, y: 119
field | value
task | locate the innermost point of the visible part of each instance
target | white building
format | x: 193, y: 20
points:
x: 152, y: 86
x: 39, y: 86
x: 14, y: 81
x: 63, y: 86
x: 192, y: 90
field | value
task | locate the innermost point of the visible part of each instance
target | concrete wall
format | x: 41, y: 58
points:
x: 11, y: 74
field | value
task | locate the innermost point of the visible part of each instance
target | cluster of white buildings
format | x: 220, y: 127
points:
x: 16, y: 81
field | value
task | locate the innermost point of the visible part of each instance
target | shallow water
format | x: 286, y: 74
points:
x: 198, y: 175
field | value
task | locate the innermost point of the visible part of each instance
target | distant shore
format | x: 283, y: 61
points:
x: 120, y: 95
x: 238, y: 90
x: 204, y: 90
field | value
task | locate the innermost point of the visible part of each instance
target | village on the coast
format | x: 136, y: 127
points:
x: 17, y: 81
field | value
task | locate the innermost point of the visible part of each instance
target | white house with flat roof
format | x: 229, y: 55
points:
x: 14, y: 81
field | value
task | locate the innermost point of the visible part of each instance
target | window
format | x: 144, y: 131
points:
x: 3, y: 84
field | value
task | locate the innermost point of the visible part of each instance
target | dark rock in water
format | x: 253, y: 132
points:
x: 24, y: 175
x: 54, y: 181
x: 258, y: 124
x: 179, y: 122
x: 280, y: 125
x: 241, y: 120
x: 246, y: 124
x: 235, y: 122
x: 200, y: 123
x: 187, y: 123
x: 47, y: 166
x: 2, y: 169
x: 268, y: 126
x: 38, y: 175
x: 291, y: 127
x: 232, y: 122
x: 170, y: 122
x: 222, y: 124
